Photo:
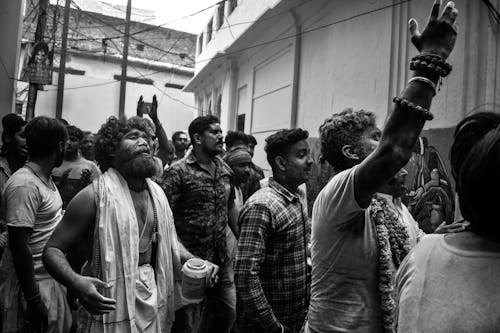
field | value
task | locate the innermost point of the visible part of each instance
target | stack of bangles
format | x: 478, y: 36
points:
x: 430, y: 63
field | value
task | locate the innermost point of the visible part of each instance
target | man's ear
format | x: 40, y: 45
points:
x: 8, y: 138
x: 197, y: 138
x: 349, y: 152
x: 62, y: 146
x: 280, y: 162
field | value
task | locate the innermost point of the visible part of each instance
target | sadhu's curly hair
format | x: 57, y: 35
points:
x: 474, y: 157
x: 341, y: 129
x: 110, y: 134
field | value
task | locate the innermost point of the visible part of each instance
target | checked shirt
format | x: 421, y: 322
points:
x: 270, y: 269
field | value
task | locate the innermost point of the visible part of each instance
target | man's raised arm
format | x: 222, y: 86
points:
x: 410, y: 110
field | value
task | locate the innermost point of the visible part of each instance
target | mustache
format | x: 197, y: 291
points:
x: 142, y: 151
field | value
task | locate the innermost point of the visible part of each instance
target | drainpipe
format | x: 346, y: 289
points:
x: 296, y: 69
x: 232, y: 113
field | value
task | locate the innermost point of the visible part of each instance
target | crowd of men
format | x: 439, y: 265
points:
x: 96, y: 227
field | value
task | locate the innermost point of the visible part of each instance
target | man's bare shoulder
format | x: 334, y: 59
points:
x: 83, y: 202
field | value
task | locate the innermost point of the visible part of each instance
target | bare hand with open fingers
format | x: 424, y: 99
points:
x: 89, y: 296
x: 139, y: 107
x: 153, y: 112
x: 440, y: 33
x: 455, y: 227
x: 212, y: 277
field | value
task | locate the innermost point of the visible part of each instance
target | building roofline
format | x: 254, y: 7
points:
x: 204, y: 71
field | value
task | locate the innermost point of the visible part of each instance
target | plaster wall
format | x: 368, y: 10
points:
x: 353, y: 54
x: 91, y: 98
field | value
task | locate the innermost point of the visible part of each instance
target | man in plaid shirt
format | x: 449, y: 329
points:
x: 271, y: 268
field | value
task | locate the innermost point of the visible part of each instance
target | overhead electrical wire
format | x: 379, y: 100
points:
x: 130, y: 35
x: 287, y: 37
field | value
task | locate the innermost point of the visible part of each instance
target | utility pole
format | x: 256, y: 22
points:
x: 123, y: 78
x: 40, y: 30
x: 62, y: 62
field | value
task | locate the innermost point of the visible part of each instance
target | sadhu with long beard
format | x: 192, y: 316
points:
x: 133, y: 257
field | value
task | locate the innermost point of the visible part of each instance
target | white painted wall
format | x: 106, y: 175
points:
x: 97, y: 98
x: 359, y: 62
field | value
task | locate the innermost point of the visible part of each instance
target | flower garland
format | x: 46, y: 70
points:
x: 393, y: 240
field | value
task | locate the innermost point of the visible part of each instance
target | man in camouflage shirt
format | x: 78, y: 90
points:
x: 198, y: 189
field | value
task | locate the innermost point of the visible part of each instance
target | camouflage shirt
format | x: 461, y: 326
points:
x: 199, y: 202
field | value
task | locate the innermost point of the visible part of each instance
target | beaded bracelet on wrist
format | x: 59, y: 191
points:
x: 431, y: 62
x: 406, y: 104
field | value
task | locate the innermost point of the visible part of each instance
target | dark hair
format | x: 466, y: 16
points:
x: 43, y: 136
x: 63, y: 121
x: 75, y: 131
x: 110, y: 134
x: 232, y: 137
x: 252, y: 140
x: 280, y: 142
x: 201, y: 124
x: 475, y: 157
x: 177, y: 134
x: 85, y: 133
x: 11, y: 124
x: 143, y: 124
x: 344, y: 128
x: 37, y: 47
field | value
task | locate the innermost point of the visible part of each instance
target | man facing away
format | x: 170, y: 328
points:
x: 271, y: 267
x: 31, y: 300
x: 356, y: 245
x: 198, y: 188
x: 75, y: 172
x: 133, y: 255
x: 447, y: 284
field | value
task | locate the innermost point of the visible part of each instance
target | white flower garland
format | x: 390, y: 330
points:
x: 393, y: 241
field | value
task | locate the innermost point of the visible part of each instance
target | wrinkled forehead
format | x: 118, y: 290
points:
x: 149, y: 131
x: 140, y: 132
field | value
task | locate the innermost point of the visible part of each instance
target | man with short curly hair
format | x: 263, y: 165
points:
x: 357, y: 240
x: 271, y: 268
x: 124, y: 219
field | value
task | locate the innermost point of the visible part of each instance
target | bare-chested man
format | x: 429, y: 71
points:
x: 133, y: 257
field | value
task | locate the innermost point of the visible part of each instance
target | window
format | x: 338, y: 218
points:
x: 220, y: 16
x: 241, y: 123
x: 232, y: 5
x: 140, y: 47
x: 218, y: 106
x: 200, y: 106
x: 209, y: 30
x: 200, y: 43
